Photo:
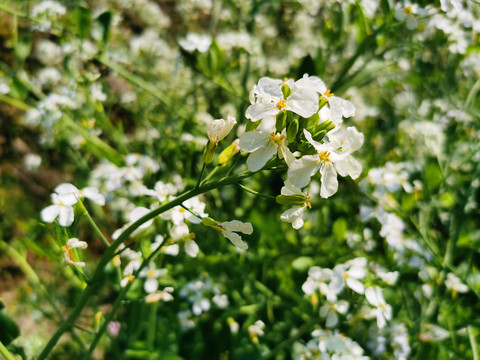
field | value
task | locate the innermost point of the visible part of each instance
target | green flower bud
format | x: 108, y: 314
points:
x: 251, y: 126
x: 208, y: 221
x: 209, y: 152
x: 281, y: 121
x: 292, y: 130
x: 228, y: 153
x: 290, y: 199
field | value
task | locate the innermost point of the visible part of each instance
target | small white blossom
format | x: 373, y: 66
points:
x: 68, y: 253
x: 381, y: 310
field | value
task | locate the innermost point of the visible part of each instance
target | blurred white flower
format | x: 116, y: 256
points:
x: 68, y: 253
x: 194, y: 42
x: 381, y: 310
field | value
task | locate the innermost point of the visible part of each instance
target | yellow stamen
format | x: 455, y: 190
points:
x: 408, y: 10
x: 324, y: 156
x: 281, y: 104
x: 182, y: 210
x: 151, y: 273
x: 328, y: 93
x: 277, y: 139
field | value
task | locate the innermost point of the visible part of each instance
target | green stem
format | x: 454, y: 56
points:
x: 152, y: 326
x: 201, y: 176
x: 251, y: 191
x: 118, y: 302
x: 94, y: 225
x: 15, y: 103
x: 473, y: 343
x: 6, y: 354
x: 110, y: 253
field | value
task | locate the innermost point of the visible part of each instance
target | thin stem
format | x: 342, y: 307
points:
x: 110, y: 253
x: 473, y: 343
x: 94, y: 225
x: 201, y: 176
x: 251, y: 191
x: 118, y: 302
x: 4, y: 351
x: 152, y: 326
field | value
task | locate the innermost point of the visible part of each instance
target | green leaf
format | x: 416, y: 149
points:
x: 302, y: 263
x: 433, y: 175
x: 83, y: 22
x: 292, y: 130
x: 9, y: 330
x: 103, y: 23
x: 339, y: 229
x: 23, y: 48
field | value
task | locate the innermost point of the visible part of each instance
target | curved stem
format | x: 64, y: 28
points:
x: 110, y: 253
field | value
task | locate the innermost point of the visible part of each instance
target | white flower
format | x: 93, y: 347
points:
x: 267, y: 100
x: 182, y: 233
x: 63, y: 198
x: 256, y: 330
x: 196, y: 42
x: 294, y: 214
x: 455, y: 284
x: 263, y: 146
x: 151, y: 275
x: 228, y: 229
x: 434, y: 333
x: 330, y: 310
x: 349, y: 140
x: 338, y: 107
x: 217, y: 130
x: 67, y: 190
x: 160, y: 295
x: 344, y: 275
x: 68, y: 253
x: 179, y: 214
x: 301, y: 170
x: 407, y: 12
x: 382, y: 310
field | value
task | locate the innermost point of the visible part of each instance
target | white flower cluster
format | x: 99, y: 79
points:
x: 301, y: 118
x: 63, y: 198
x: 200, y: 294
x: 331, y: 283
x: 326, y: 344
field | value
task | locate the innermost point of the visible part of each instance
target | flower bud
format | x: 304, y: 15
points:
x: 290, y: 199
x: 209, y: 152
x: 228, y: 153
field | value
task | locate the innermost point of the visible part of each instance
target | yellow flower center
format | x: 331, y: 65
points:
x: 182, y: 210
x: 281, y: 104
x: 285, y: 79
x: 151, y: 273
x: 408, y: 10
x: 277, y: 138
x: 324, y: 156
x: 328, y: 93
x: 345, y: 275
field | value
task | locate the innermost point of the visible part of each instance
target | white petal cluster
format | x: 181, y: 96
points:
x: 291, y: 125
x: 63, y: 198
